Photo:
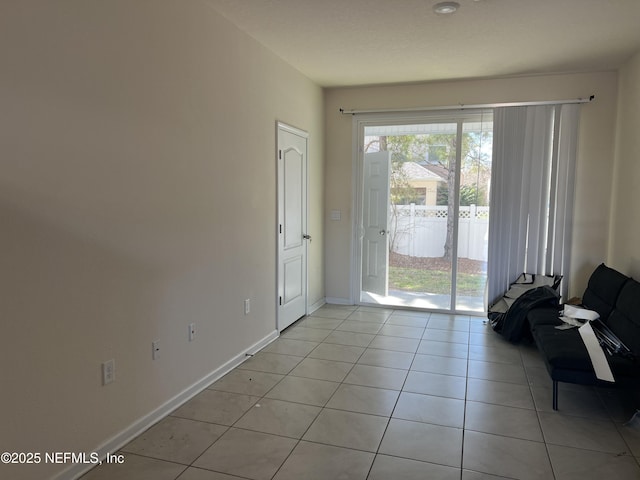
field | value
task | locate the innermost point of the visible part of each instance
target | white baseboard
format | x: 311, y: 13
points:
x: 316, y: 306
x: 339, y: 301
x: 125, y: 436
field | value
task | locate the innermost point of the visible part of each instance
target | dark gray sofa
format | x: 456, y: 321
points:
x: 616, y: 298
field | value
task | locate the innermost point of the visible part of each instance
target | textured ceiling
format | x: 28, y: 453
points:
x: 363, y: 42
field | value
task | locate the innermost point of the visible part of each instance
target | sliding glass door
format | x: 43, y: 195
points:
x: 472, y: 244
x: 423, y: 214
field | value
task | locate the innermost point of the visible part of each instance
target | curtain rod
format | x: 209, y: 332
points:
x: 462, y: 106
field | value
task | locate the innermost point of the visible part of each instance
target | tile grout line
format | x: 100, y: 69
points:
x: 533, y: 400
x: 321, y: 408
x: 464, y: 412
x: 341, y: 383
x: 377, y: 452
x: 310, y: 423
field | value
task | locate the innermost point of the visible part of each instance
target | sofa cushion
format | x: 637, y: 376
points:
x: 625, y: 318
x: 603, y: 289
x: 562, y: 348
x: 567, y: 358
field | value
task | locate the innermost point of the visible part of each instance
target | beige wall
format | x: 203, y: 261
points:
x: 594, y: 169
x: 624, y: 250
x: 137, y: 195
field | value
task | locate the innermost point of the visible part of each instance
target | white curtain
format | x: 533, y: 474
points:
x: 532, y: 190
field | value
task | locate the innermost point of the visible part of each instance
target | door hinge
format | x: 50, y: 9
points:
x: 280, y: 300
x: 280, y: 228
x: 280, y: 154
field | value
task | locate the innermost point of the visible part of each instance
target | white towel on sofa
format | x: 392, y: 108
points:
x: 598, y: 358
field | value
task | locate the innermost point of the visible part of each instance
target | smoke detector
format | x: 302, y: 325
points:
x: 446, y: 8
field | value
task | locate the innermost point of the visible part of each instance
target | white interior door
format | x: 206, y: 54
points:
x: 375, y: 218
x: 292, y: 225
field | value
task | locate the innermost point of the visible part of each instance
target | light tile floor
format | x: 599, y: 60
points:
x: 377, y: 394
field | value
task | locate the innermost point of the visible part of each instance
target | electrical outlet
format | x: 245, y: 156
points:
x: 155, y: 350
x: 192, y: 332
x: 247, y: 306
x: 108, y: 371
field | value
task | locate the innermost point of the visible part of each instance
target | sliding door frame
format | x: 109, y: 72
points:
x: 359, y: 122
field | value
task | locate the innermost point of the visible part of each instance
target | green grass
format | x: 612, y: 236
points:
x: 434, y: 281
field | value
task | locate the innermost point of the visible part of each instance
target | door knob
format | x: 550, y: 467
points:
x: 306, y: 236
x: 383, y: 232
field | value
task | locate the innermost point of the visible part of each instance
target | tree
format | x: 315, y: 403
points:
x: 438, y: 149
x: 475, y: 165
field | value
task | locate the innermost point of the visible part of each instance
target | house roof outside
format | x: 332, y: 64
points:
x: 415, y: 171
x: 437, y: 169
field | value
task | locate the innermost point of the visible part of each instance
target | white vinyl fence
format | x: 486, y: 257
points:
x: 421, y: 231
